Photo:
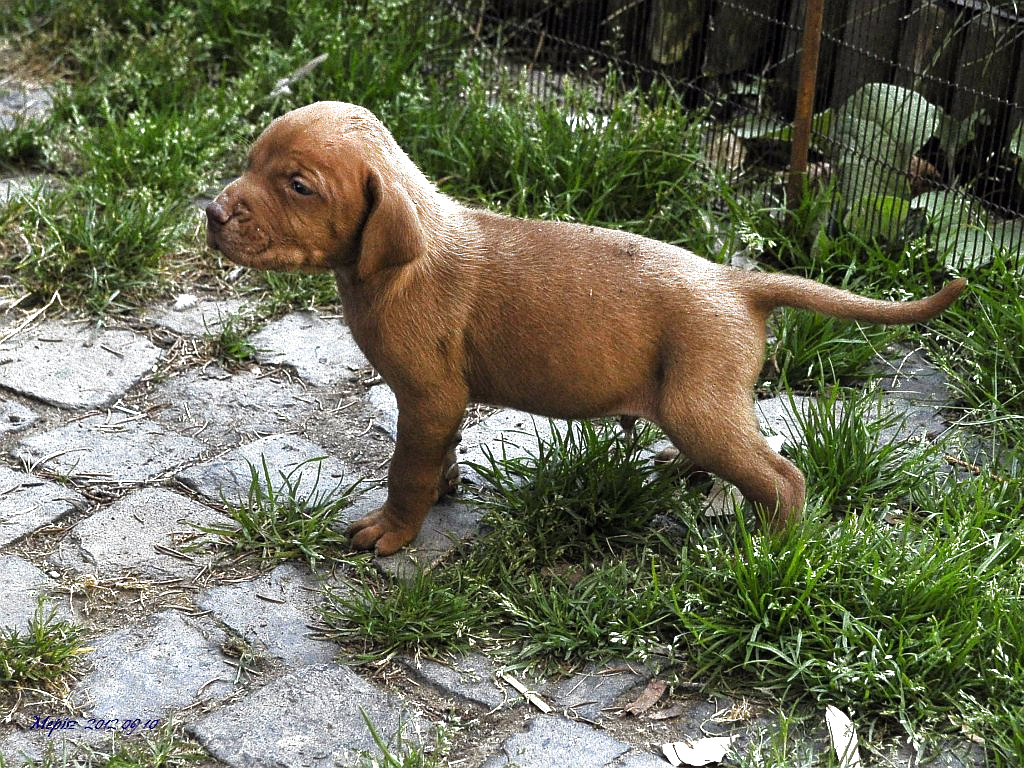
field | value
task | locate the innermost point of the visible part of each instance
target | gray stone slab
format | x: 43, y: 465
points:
x: 28, y: 502
x: 14, y: 417
x: 274, y: 610
x: 310, y: 718
x: 22, y: 101
x: 913, y: 377
x: 75, y: 366
x: 109, y: 449
x: 14, y: 187
x: 152, y: 669
x: 508, y: 433
x: 136, y: 535
x: 448, y: 523
x: 777, y: 416
x: 467, y: 679
x: 292, y: 461
x: 385, y: 409
x: 193, y: 316
x: 321, y: 351
x: 221, y: 409
x: 554, y: 742
x: 21, y: 585
x: 592, y: 693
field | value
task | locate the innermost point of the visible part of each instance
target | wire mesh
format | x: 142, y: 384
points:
x: 918, y: 104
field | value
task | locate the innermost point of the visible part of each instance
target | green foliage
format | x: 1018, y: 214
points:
x: 42, y: 656
x: 905, y: 622
x: 582, y: 488
x: 856, y: 453
x: 280, y: 520
x: 567, y: 568
x: 978, y: 344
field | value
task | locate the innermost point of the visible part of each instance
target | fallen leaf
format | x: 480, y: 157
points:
x: 712, y: 749
x: 668, y: 713
x: 722, y: 500
x: 844, y: 737
x: 651, y: 695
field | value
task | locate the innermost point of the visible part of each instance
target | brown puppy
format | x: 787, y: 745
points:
x: 453, y: 305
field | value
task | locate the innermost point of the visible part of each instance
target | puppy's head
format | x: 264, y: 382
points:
x: 325, y: 188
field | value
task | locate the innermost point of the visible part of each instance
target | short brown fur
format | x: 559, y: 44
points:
x: 454, y: 305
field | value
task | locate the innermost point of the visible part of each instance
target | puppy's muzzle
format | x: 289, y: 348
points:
x: 216, y: 217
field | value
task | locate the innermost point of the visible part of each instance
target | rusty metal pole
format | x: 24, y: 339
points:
x: 808, y: 78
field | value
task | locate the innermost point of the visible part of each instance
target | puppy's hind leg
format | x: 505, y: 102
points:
x: 721, y: 435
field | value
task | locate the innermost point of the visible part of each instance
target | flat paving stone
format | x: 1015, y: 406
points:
x: 777, y: 416
x: 554, y: 742
x: 151, y: 669
x: 508, y: 433
x: 469, y: 679
x: 311, y: 717
x: 322, y: 351
x: 193, y: 316
x: 28, y: 502
x: 592, y: 693
x: 75, y: 366
x: 292, y: 462
x: 109, y: 449
x: 137, y: 534
x: 385, y: 409
x: 448, y: 523
x: 21, y: 585
x: 15, y: 417
x: 221, y: 409
x: 22, y: 101
x: 274, y: 610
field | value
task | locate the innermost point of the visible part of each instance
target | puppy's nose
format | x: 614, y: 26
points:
x: 217, y: 213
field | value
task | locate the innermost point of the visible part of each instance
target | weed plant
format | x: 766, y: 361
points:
x: 280, y: 520
x: 897, y: 599
x: 856, y: 453
x: 584, y: 487
x: 978, y: 342
x: 567, y: 569
x: 44, y: 656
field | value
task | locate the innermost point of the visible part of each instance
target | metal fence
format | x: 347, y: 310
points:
x: 917, y: 115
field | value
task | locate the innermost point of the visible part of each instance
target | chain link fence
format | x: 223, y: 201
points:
x: 918, y: 105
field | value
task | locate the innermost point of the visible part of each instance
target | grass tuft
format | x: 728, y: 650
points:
x: 44, y: 655
x: 279, y: 521
x: 856, y: 452
x: 582, y: 489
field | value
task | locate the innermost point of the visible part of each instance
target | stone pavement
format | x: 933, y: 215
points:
x: 115, y: 437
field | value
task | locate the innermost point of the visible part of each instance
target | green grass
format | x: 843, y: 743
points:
x: 279, y: 520
x: 978, y: 344
x: 45, y: 655
x: 904, y: 609
x: 856, y: 454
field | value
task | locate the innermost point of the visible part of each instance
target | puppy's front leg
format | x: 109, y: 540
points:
x: 426, y: 435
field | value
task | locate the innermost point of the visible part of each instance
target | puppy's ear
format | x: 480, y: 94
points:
x: 393, y: 234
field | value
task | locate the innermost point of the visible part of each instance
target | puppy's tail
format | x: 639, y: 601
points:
x: 777, y: 290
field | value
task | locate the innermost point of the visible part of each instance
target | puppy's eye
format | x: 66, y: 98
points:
x: 300, y: 189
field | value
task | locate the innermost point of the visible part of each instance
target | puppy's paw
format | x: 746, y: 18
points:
x: 381, y: 532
